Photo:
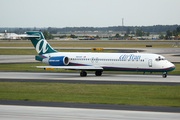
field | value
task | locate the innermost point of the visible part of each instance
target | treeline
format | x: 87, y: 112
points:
x: 152, y: 29
x: 155, y: 28
x: 47, y: 35
x: 171, y: 34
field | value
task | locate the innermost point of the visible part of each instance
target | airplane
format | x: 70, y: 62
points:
x: 98, y: 62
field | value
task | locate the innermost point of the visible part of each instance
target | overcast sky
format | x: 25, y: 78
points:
x: 88, y: 13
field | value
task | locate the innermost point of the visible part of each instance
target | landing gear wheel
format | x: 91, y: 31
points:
x: 98, y: 73
x: 164, y: 75
x: 83, y: 74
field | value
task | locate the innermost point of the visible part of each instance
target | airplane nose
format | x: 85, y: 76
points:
x: 171, y: 66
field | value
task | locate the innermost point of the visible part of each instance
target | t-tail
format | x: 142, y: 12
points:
x: 39, y: 42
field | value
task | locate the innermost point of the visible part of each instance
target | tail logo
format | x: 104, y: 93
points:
x: 42, y: 49
x: 40, y: 43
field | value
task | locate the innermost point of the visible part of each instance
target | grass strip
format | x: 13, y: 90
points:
x: 28, y: 67
x: 33, y: 51
x: 107, y: 45
x: 97, y: 41
x: 18, y: 52
x: 145, y: 95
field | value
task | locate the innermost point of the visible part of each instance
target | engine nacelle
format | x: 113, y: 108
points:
x: 56, y: 61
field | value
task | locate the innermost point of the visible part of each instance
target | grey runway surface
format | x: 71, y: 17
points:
x: 89, y: 77
x: 41, y: 113
x: 91, y: 106
x: 17, y: 58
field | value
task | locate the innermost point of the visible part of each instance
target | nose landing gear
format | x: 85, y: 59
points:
x: 164, y: 75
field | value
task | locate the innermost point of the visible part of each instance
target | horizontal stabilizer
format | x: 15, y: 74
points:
x: 73, y: 67
x: 25, y: 35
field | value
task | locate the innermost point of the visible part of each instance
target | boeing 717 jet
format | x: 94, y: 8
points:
x: 97, y: 62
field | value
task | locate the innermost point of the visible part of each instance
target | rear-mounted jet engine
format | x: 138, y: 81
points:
x: 56, y: 61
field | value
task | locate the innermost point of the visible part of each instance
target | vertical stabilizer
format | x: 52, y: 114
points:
x: 40, y: 44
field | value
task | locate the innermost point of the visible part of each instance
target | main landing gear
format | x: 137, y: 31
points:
x: 164, y: 75
x: 84, y: 73
x: 98, y: 73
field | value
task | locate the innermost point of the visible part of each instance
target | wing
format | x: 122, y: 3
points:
x: 72, y: 67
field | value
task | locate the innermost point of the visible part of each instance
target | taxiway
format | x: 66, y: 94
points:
x: 89, y: 77
x: 42, y: 113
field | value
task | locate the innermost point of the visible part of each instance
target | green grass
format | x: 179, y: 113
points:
x: 146, y: 95
x: 95, y: 41
x: 78, y: 44
x: 18, y: 52
x: 33, y: 51
x: 28, y: 67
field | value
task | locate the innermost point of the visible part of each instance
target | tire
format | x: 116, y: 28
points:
x: 83, y: 74
x: 98, y: 73
x: 164, y: 75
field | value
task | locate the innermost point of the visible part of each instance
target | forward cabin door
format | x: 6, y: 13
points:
x: 150, y: 62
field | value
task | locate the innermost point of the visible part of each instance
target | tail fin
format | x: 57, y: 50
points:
x: 40, y: 44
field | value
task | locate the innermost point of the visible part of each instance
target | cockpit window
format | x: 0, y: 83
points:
x: 159, y: 58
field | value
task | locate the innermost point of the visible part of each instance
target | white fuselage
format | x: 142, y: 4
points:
x: 118, y: 61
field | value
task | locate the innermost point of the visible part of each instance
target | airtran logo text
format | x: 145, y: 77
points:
x: 131, y: 56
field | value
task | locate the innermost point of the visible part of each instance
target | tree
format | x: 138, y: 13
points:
x: 148, y: 33
x: 117, y: 35
x: 63, y: 36
x: 178, y: 29
x: 45, y: 33
x: 126, y: 35
x: 161, y: 36
x: 97, y: 37
x: 168, y: 34
x: 50, y: 36
x: 174, y: 33
x: 132, y: 32
x: 73, y: 36
x: 139, y: 33
x: 128, y: 31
